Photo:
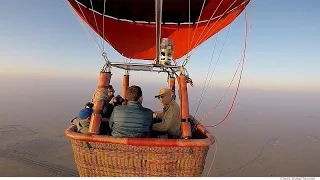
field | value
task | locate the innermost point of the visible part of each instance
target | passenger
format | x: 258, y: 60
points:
x: 110, y: 101
x: 105, y: 94
x: 106, y: 113
x: 83, y: 120
x: 118, y: 100
x: 171, y: 119
x: 132, y: 120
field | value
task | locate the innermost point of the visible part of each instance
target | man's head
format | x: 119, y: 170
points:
x: 164, y: 96
x: 110, y: 90
x: 134, y: 93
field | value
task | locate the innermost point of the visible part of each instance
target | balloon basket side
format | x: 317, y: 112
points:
x: 100, y: 155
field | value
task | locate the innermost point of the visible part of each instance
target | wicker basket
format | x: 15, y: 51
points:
x: 97, y: 155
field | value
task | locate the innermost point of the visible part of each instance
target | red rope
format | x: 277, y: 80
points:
x: 241, y: 72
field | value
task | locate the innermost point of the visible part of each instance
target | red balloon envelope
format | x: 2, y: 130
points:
x: 129, y: 25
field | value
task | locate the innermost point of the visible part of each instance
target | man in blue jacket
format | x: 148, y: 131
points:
x: 83, y: 120
x: 131, y: 120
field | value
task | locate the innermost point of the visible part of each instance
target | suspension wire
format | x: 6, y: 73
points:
x: 205, y: 82
x: 241, y: 72
x: 189, y: 25
x: 226, y: 91
x: 246, y: 39
x: 187, y: 55
x: 215, y: 68
x: 211, y: 18
x: 104, y: 9
x: 103, y: 34
x: 201, y: 38
x: 244, y: 51
x: 214, y: 155
x: 252, y: 14
x: 95, y: 20
x: 204, y: 1
x: 213, y: 71
x: 158, y: 23
x: 87, y: 22
x: 214, y: 12
x: 83, y: 25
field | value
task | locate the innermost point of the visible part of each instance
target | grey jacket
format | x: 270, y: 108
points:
x: 131, y: 120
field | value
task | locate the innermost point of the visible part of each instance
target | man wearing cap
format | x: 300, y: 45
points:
x: 83, y: 120
x: 171, y: 120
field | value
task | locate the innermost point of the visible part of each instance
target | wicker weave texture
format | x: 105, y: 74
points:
x: 114, y: 160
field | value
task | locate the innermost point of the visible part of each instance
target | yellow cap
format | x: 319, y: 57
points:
x: 163, y: 91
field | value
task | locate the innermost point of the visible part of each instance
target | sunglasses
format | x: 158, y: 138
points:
x: 160, y: 97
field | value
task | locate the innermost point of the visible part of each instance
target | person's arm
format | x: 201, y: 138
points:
x: 112, y: 100
x: 157, y: 114
x: 156, y: 118
x: 93, y: 96
x: 166, y: 122
x: 111, y: 121
x: 87, y: 120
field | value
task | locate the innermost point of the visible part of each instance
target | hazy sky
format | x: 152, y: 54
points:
x: 44, y: 37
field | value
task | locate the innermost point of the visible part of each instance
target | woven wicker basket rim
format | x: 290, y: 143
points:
x: 208, y: 141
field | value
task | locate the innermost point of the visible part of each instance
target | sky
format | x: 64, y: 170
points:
x: 44, y: 38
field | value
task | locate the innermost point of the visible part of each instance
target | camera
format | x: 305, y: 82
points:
x: 118, y: 100
x: 89, y: 104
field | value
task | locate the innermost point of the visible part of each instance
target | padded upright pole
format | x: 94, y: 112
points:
x: 173, y: 87
x: 96, y: 116
x: 185, y: 124
x: 125, y: 85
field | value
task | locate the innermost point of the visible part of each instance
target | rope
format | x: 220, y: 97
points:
x: 226, y: 91
x: 244, y: 50
x: 248, y: 163
x: 212, y: 17
x: 88, y: 23
x: 204, y: 1
x: 84, y: 27
x: 95, y: 20
x: 201, y: 38
x: 104, y: 8
x: 242, y: 66
x: 205, y: 82
x: 225, y: 40
x: 189, y: 44
x: 106, y: 67
x: 189, y: 26
x: 214, y: 155
x: 198, y: 42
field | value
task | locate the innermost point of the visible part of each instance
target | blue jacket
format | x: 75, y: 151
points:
x: 131, y: 120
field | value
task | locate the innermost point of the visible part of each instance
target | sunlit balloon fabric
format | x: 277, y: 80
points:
x: 129, y: 25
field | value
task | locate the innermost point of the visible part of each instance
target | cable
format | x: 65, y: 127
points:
x: 240, y: 77
x: 214, y: 155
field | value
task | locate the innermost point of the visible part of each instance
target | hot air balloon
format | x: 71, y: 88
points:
x: 158, y: 31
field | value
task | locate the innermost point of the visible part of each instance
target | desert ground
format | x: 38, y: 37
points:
x: 268, y: 133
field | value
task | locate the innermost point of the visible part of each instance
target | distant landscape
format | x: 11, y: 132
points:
x: 268, y: 133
